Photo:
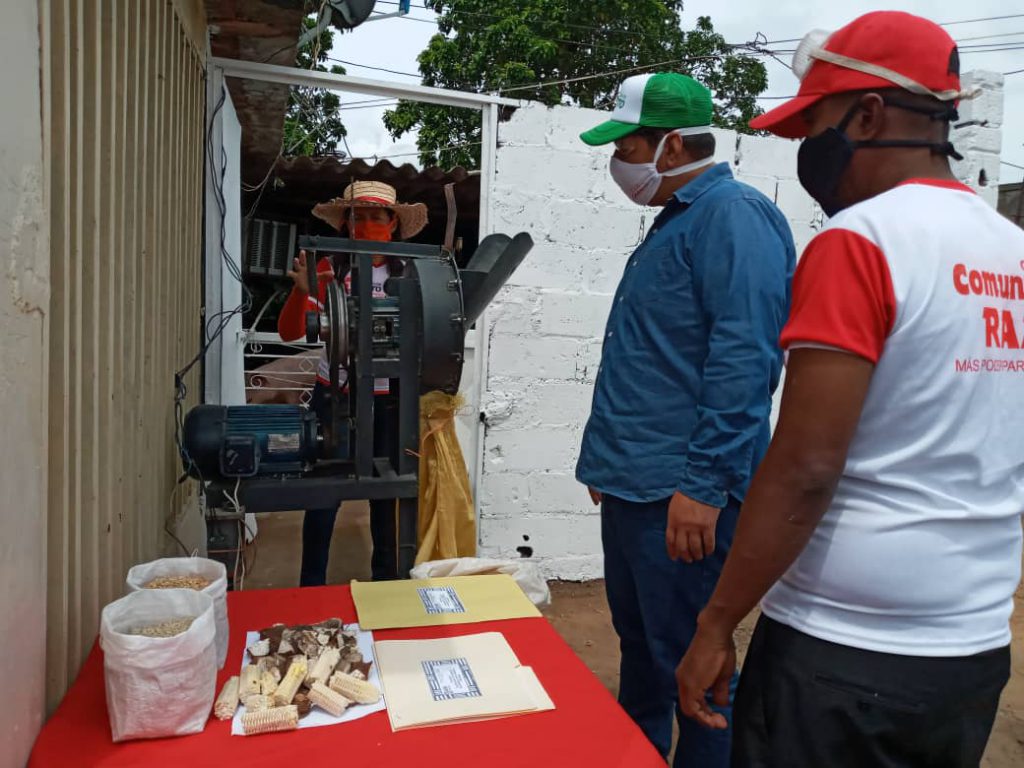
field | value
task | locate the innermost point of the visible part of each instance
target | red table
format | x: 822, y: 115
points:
x: 587, y: 727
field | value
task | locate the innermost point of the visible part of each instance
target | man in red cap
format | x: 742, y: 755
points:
x: 882, y: 532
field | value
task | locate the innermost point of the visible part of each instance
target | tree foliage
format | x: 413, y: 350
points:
x: 548, y: 51
x: 312, y: 123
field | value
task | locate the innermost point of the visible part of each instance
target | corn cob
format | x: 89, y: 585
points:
x: 293, y: 678
x: 250, y: 681
x: 359, y: 691
x: 358, y: 674
x: 270, y: 720
x: 227, y: 702
x: 257, y: 702
x: 269, y: 679
x: 324, y: 666
x: 329, y: 701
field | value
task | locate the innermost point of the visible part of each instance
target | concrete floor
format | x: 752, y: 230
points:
x: 278, y: 552
x: 578, y: 611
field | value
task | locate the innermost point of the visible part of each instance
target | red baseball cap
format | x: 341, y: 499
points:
x: 882, y: 49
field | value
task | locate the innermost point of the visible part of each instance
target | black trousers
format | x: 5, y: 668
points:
x: 805, y: 702
x: 318, y: 524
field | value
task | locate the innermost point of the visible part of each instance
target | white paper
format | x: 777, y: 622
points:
x: 450, y: 679
x: 316, y: 718
x: 440, y: 600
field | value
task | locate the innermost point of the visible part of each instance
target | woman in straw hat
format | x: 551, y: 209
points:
x: 367, y: 210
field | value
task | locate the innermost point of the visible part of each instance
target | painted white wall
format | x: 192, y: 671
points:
x: 24, y: 302
x: 545, y: 328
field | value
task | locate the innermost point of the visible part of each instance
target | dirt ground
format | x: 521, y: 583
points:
x: 578, y: 611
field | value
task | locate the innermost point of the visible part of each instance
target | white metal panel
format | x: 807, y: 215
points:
x: 224, y: 378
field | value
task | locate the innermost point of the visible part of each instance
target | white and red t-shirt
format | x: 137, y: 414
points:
x: 919, y: 552
x: 291, y: 323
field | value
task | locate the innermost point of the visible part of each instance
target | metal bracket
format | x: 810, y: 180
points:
x: 372, y: 247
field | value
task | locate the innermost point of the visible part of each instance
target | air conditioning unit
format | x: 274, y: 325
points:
x: 270, y: 247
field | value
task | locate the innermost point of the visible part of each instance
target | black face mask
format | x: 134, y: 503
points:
x: 822, y: 160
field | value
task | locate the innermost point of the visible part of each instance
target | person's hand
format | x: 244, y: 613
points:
x: 709, y: 663
x: 690, y: 530
x: 300, y: 276
x: 595, y: 496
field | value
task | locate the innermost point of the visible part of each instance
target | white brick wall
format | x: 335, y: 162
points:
x: 981, y: 143
x: 546, y: 326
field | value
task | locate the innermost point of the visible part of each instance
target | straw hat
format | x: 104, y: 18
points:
x: 412, y: 217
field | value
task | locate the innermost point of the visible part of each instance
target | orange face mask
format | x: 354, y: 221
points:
x: 373, y: 230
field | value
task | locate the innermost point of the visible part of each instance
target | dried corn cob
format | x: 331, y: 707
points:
x: 269, y: 679
x: 358, y: 674
x: 227, y: 702
x: 270, y: 720
x: 291, y: 681
x: 324, y: 666
x: 359, y: 691
x: 257, y: 702
x: 250, y: 681
x: 329, y: 701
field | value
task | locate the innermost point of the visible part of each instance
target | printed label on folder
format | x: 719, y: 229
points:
x: 450, y: 679
x: 440, y: 600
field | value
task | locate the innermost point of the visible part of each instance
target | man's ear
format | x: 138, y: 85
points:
x: 674, y: 152
x: 394, y: 222
x: 869, y: 121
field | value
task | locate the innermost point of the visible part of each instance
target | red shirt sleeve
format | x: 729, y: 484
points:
x: 291, y: 322
x: 842, y: 296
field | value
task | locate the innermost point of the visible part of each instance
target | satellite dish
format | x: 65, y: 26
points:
x: 349, y: 14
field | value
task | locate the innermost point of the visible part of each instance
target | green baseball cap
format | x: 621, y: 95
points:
x: 660, y: 100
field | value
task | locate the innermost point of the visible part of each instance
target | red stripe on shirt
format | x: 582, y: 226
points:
x: 940, y: 183
x: 842, y: 296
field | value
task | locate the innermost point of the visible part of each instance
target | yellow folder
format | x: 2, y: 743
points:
x: 455, y: 680
x: 433, y: 602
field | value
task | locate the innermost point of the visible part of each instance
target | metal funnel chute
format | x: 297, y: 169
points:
x: 490, y: 267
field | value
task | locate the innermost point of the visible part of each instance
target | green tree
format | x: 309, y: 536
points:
x: 312, y: 123
x: 503, y: 45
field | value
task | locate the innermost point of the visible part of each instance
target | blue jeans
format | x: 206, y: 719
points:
x: 654, y: 604
x: 318, y: 524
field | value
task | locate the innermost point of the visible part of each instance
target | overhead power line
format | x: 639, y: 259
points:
x: 605, y: 74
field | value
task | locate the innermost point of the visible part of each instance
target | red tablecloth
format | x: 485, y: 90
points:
x: 587, y: 728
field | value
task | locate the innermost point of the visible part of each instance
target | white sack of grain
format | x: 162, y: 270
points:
x: 210, y: 570
x: 159, y: 686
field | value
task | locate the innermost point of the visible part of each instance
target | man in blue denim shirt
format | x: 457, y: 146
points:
x: 680, y: 414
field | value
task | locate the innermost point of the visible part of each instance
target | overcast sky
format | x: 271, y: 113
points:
x: 394, y: 44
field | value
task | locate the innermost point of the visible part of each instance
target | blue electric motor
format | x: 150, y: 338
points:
x: 248, y: 440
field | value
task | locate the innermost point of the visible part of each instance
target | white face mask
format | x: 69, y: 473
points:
x: 640, y: 181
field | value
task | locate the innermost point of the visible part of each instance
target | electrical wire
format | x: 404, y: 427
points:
x: 167, y: 521
x: 606, y: 74
x: 986, y: 18
x: 989, y: 37
x: 378, y: 69
x: 382, y: 103
x: 217, y: 323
